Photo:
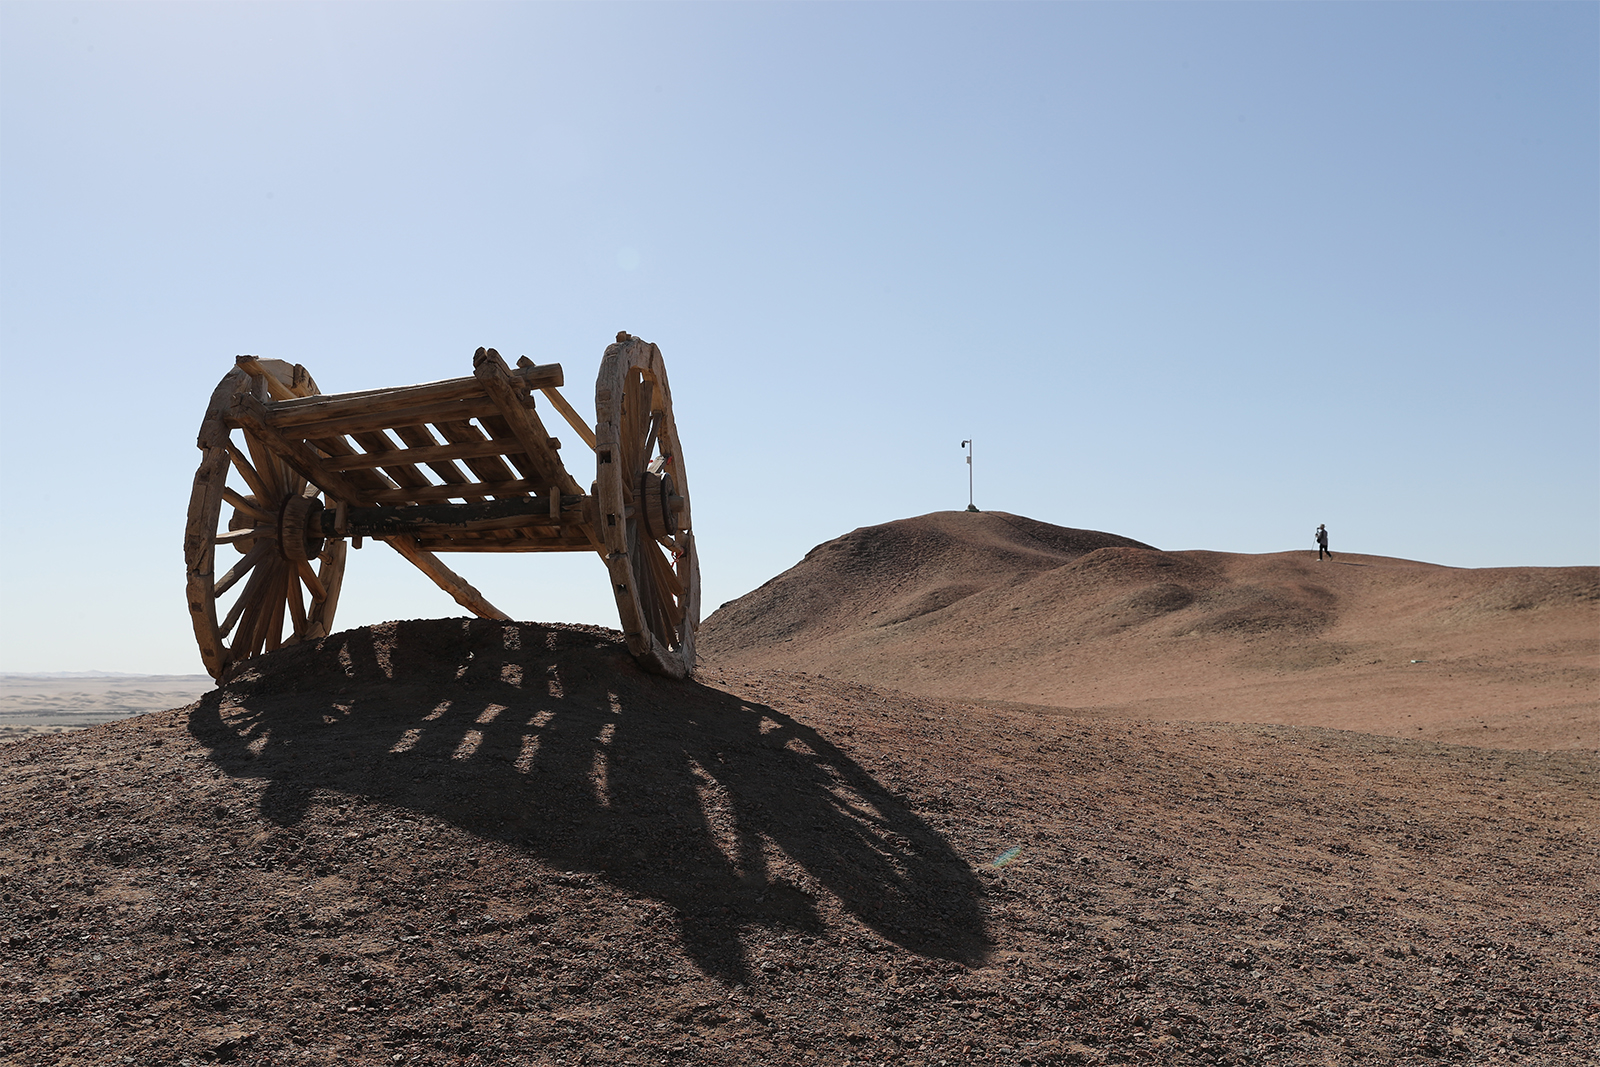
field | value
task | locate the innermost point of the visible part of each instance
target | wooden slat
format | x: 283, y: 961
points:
x: 422, y: 437
x: 425, y: 454
x: 485, y: 469
x: 329, y: 406
x: 377, y: 444
x: 362, y: 421
x: 334, y: 448
x: 252, y: 415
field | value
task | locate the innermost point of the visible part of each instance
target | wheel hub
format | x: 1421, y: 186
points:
x: 300, y: 528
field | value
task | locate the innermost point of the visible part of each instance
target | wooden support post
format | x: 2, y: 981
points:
x: 458, y: 587
x: 559, y: 402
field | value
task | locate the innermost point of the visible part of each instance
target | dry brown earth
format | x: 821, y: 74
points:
x: 997, y: 607
x: 469, y: 842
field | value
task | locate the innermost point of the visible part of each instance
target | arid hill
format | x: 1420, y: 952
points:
x: 998, y: 608
x: 459, y: 842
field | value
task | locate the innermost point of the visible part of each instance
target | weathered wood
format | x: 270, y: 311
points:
x: 381, y: 401
x: 426, y: 454
x: 447, y: 471
x: 247, y: 471
x: 253, y: 416
x: 297, y: 609
x: 243, y: 504
x: 496, y: 378
x: 494, y: 452
x: 313, y: 584
x: 257, y: 553
x: 633, y: 416
x: 264, y: 597
x: 278, y: 390
x: 460, y: 590
x: 336, y: 447
x: 575, y: 544
x: 247, y: 534
x: 365, y: 421
x: 467, y: 490
x: 568, y: 412
x: 378, y: 444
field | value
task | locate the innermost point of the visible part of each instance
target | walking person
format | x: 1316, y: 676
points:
x: 1322, y: 541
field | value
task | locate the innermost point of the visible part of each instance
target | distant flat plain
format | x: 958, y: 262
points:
x: 55, y: 703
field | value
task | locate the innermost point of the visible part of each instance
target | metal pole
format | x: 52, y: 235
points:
x: 968, y: 446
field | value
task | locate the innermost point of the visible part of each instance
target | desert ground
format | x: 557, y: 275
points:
x: 56, y: 703
x: 1072, y: 800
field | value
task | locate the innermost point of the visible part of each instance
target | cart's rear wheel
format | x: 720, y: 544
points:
x: 277, y: 582
x: 642, y: 508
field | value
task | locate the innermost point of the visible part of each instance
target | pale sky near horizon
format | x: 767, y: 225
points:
x: 1204, y: 275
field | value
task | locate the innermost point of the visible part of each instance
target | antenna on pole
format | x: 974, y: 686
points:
x: 968, y: 446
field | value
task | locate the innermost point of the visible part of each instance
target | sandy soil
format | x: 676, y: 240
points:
x: 453, y: 842
x: 997, y: 607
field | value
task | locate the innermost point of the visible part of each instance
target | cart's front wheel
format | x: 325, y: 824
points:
x: 642, y: 508
x: 259, y: 573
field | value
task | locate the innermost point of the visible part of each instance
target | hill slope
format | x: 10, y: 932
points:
x: 464, y: 842
x: 995, y: 607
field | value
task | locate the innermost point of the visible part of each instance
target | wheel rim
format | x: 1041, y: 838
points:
x: 259, y: 574
x: 642, y: 498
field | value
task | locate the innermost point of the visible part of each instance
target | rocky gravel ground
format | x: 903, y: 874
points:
x: 454, y: 842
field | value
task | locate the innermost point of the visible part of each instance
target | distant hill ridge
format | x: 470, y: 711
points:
x: 999, y: 607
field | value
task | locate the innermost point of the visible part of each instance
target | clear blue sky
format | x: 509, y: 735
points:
x: 1201, y: 275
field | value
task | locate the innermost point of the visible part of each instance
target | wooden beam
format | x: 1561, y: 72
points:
x: 276, y: 388
x: 469, y: 490
x: 568, y: 412
x: 460, y: 590
x: 375, y: 401
x: 362, y: 420
x: 425, y: 454
x: 496, y: 378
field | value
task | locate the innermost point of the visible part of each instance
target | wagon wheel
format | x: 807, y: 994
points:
x: 642, y: 508
x: 259, y: 574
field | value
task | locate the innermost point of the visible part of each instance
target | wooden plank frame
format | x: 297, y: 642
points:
x: 472, y: 439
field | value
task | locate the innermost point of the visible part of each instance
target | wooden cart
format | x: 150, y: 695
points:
x: 463, y: 465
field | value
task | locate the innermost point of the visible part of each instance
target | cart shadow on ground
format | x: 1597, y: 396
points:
x: 552, y: 741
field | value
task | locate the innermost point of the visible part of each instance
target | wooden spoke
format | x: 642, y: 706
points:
x: 270, y: 468
x: 248, y: 534
x: 242, y: 503
x: 257, y: 553
x: 257, y: 484
x: 252, y: 598
x: 313, y: 584
x: 297, y: 609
